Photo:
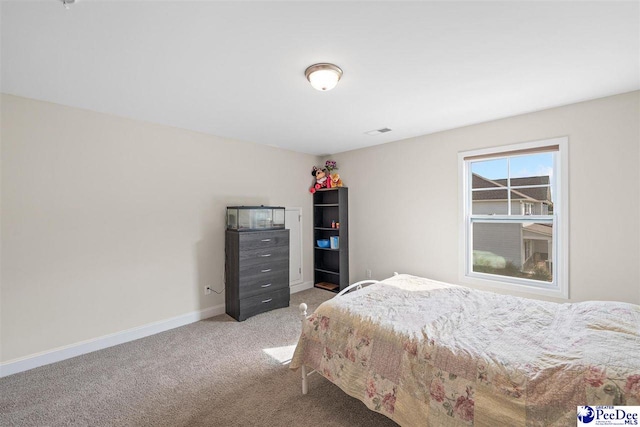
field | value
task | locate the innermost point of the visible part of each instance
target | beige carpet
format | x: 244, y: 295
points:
x: 217, y: 372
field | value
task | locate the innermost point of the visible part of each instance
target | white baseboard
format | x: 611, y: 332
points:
x: 66, y: 352
x: 301, y: 287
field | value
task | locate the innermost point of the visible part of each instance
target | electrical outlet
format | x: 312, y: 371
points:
x: 368, y: 274
x: 207, y: 290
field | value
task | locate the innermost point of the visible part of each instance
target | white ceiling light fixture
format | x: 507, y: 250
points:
x: 323, y: 76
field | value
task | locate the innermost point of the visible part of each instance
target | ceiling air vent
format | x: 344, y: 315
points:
x: 378, y: 131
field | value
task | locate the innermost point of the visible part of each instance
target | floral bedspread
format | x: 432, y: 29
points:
x: 425, y: 353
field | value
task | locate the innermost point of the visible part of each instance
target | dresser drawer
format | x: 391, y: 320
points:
x: 263, y: 273
x: 269, y: 284
x: 263, y: 302
x: 265, y: 239
x: 252, y: 257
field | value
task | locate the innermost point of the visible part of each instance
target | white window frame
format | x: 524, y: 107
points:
x: 559, y: 287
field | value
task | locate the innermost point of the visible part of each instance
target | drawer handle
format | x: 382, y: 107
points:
x: 265, y: 255
x: 265, y: 240
x: 267, y: 300
x: 265, y: 286
x: 266, y: 271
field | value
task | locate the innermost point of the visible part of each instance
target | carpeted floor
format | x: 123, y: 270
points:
x: 217, y: 372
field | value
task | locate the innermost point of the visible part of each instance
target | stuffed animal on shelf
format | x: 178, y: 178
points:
x: 335, y: 180
x: 321, y: 179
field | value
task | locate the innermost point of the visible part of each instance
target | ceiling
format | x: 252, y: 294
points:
x: 236, y: 69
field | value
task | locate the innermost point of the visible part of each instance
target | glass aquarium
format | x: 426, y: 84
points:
x: 253, y: 218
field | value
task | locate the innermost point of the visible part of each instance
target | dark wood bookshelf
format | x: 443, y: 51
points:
x: 331, y: 266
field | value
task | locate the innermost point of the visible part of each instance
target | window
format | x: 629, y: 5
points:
x: 514, y: 210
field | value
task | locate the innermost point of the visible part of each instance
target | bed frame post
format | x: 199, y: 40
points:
x: 305, y: 380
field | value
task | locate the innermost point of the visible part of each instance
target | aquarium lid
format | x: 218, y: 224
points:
x: 255, y: 207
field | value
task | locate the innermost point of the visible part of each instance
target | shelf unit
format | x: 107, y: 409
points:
x: 331, y: 266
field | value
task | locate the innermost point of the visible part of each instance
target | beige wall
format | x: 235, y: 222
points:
x: 403, y: 197
x: 110, y: 223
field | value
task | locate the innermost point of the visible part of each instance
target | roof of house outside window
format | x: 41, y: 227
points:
x: 536, y: 194
x: 544, y: 229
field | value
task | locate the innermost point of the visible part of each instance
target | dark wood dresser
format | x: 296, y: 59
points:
x: 256, y: 271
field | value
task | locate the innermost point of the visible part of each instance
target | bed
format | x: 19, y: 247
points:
x: 427, y: 353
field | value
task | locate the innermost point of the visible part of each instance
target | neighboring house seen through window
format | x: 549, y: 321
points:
x: 514, y: 217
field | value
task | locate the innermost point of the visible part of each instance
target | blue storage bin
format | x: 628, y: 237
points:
x: 323, y: 243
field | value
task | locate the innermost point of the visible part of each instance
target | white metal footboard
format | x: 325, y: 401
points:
x: 303, y: 369
x: 303, y: 314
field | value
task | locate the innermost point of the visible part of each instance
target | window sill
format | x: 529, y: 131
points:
x: 522, y: 288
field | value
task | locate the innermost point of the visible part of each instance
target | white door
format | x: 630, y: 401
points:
x: 293, y: 222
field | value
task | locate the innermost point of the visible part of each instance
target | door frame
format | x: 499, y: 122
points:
x: 301, y: 280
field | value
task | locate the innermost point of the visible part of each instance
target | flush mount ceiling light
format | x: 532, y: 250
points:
x: 323, y: 76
